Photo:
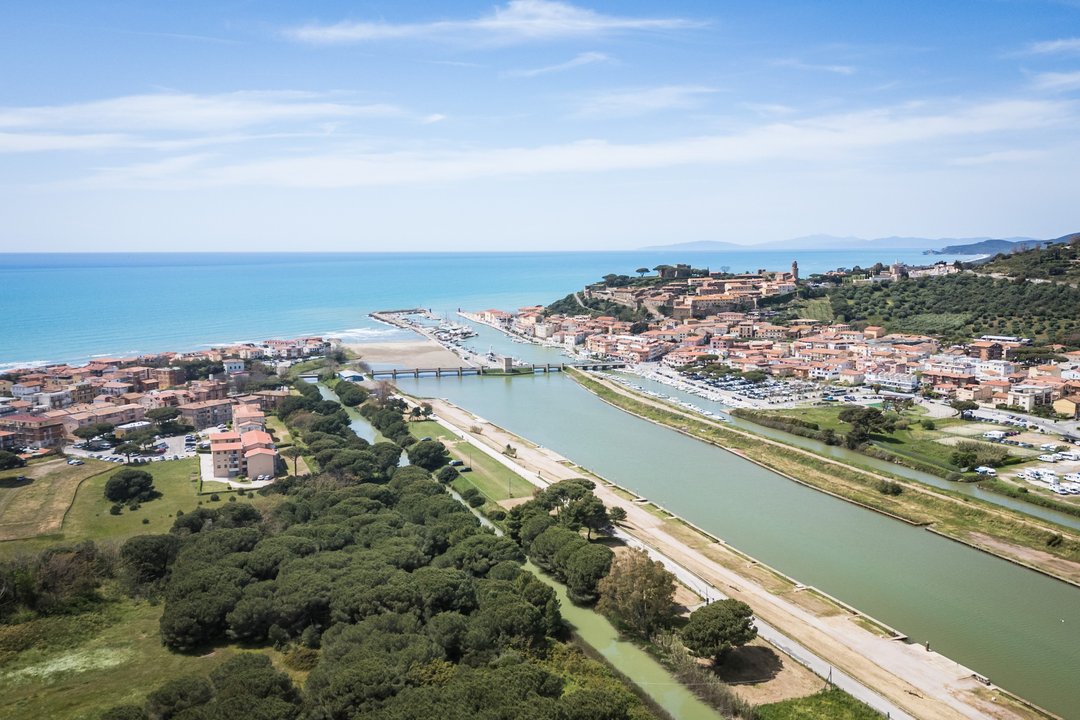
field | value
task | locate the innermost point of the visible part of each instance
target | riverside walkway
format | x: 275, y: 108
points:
x: 896, y: 679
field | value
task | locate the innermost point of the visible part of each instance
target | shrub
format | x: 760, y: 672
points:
x: 130, y: 484
x: 888, y: 487
x: 214, y: 497
x: 116, y: 509
x: 146, y: 521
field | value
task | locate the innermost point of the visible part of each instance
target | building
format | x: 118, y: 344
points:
x: 232, y: 367
x: 207, y: 413
x: 249, y: 454
x: 168, y: 377
x: 1029, y: 397
x: 896, y: 382
x: 248, y: 417
x: 34, y: 431
x: 1069, y: 406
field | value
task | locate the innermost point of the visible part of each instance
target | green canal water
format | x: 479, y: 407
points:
x: 1018, y: 627
x: 599, y: 634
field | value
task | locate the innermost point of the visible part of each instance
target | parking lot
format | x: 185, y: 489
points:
x: 172, y: 448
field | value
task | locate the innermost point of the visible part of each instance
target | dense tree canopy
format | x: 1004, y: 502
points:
x: 128, y: 484
x: 715, y: 629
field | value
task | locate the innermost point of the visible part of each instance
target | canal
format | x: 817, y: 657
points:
x: 1018, y: 627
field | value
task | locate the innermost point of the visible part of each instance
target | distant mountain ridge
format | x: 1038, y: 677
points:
x: 823, y: 242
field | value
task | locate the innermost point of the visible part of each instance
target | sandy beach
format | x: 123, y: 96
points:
x: 407, y: 354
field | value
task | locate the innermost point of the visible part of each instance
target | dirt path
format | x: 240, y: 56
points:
x: 926, y: 684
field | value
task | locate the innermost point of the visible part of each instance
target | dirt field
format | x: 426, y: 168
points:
x: 37, y: 507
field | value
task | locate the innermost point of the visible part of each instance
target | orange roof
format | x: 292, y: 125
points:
x: 256, y: 437
x: 260, y: 451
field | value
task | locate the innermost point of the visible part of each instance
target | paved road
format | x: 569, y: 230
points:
x: 798, y: 652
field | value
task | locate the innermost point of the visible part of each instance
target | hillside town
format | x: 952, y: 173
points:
x: 694, y: 316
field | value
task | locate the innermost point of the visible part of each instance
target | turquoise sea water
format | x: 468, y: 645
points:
x: 71, y: 307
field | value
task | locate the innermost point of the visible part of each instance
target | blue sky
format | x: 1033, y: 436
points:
x: 530, y: 124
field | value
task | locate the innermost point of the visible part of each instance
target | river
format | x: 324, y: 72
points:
x: 1018, y: 627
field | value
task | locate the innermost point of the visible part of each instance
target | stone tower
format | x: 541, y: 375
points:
x: 795, y: 270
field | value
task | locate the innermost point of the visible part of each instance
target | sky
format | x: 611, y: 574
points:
x: 533, y: 124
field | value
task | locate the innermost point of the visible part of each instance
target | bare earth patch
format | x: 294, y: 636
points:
x: 762, y: 675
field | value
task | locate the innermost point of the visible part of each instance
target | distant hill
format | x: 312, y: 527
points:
x: 991, y: 247
x: 1057, y: 260
x: 826, y: 242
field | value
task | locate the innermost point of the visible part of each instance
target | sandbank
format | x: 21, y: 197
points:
x: 407, y: 354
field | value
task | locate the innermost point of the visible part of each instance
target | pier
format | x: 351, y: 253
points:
x: 517, y: 369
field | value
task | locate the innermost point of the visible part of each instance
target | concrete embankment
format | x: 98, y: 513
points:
x: 906, y: 678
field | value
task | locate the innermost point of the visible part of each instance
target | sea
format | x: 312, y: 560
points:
x: 74, y: 307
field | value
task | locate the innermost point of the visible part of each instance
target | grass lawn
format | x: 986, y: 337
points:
x: 277, y: 428
x: 89, y: 518
x: 831, y: 704
x: 37, y: 506
x: 488, y: 476
x: 74, y: 666
x: 432, y: 429
x: 916, y: 442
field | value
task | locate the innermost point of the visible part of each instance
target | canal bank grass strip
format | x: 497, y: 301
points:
x: 951, y: 515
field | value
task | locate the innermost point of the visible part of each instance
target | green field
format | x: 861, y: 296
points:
x: 831, y: 704
x: 494, y: 480
x: 89, y: 519
x: 74, y: 666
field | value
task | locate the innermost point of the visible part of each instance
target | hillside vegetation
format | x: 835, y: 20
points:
x: 958, y: 307
x: 1060, y: 262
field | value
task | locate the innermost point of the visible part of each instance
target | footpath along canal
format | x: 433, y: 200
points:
x: 1018, y: 627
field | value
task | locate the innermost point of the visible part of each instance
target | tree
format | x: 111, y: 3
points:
x: 429, y: 454
x: 587, y: 512
x: 93, y: 430
x: 962, y: 407
x: 641, y: 271
x: 714, y: 630
x: 130, y: 484
x: 177, y: 695
x: 293, y: 453
x: 9, y: 460
x: 616, y: 515
x: 584, y: 570
x: 128, y: 449
x: 162, y: 414
x: 638, y: 593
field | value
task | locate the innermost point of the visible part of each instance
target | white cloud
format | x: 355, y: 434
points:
x: 179, y: 112
x: 517, y: 21
x: 432, y: 119
x: 1000, y: 156
x: 641, y: 101
x: 587, y: 58
x: 1053, y: 47
x: 44, y: 142
x: 800, y: 65
x: 827, y: 140
x: 1058, y: 81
